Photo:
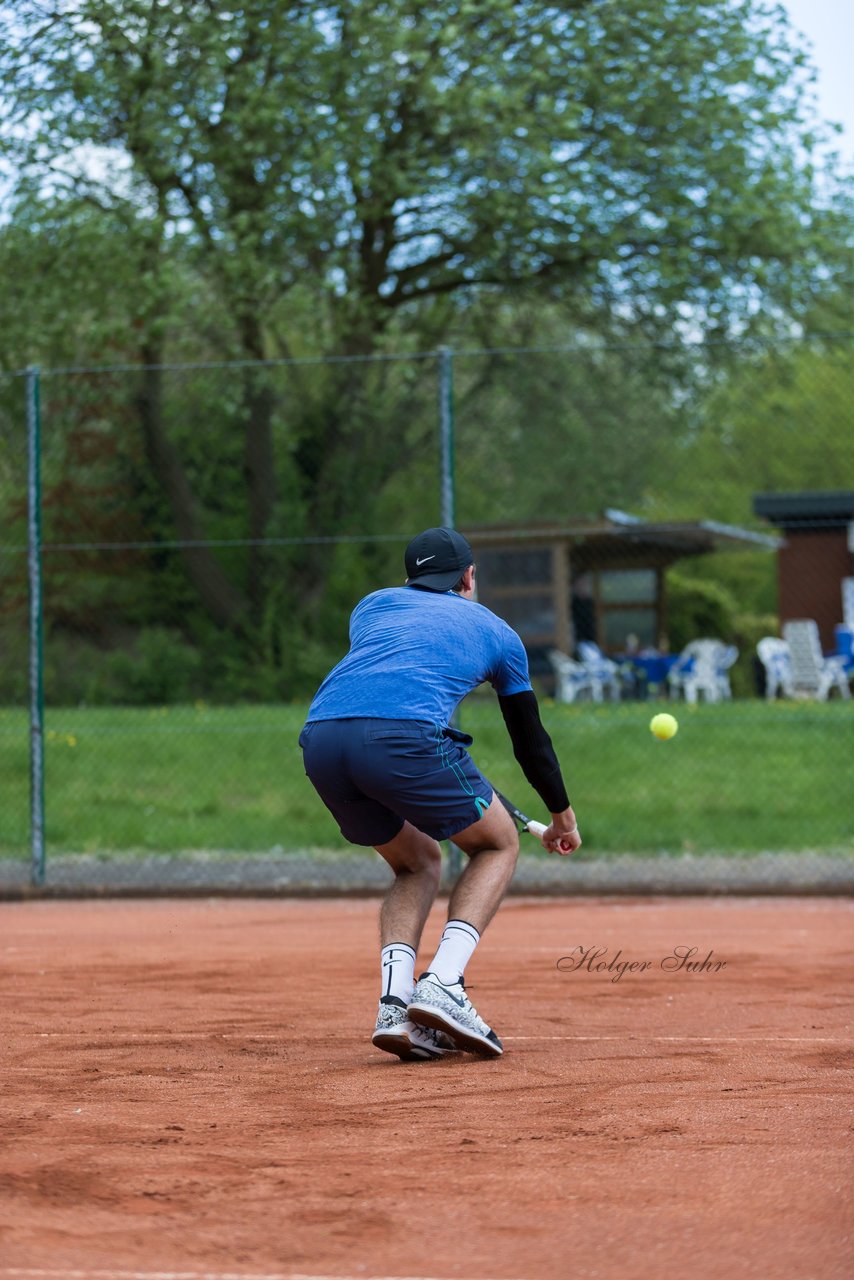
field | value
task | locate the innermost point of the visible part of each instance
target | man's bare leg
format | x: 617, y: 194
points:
x: 416, y: 861
x: 439, y: 1002
x: 492, y: 845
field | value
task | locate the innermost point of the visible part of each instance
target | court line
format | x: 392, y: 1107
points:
x: 47, y: 1274
x: 635, y: 1039
x: 150, y: 1035
x: 120, y: 1038
x: 34, y: 1273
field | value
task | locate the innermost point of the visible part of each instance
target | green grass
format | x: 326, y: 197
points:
x: 740, y: 777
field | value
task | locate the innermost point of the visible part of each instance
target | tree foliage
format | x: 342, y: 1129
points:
x: 648, y: 152
x: 340, y: 179
x: 781, y: 420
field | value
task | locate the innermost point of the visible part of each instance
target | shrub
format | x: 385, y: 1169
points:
x: 161, y: 667
x: 697, y: 608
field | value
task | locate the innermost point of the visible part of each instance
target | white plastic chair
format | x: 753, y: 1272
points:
x: 602, y: 672
x: 703, y: 668
x: 774, y: 656
x: 813, y: 675
x: 727, y: 658
x: 848, y: 601
x: 571, y: 678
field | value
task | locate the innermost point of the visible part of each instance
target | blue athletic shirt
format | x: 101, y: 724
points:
x: 415, y: 654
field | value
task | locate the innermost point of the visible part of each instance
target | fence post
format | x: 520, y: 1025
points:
x: 34, y: 552
x: 447, y: 501
x: 447, y: 495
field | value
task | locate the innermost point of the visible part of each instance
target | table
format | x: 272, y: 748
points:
x: 845, y: 646
x: 649, y: 671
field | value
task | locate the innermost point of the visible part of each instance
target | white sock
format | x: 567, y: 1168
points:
x: 455, y: 950
x: 398, y: 971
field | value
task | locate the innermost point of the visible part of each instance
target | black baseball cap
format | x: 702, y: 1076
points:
x: 437, y: 559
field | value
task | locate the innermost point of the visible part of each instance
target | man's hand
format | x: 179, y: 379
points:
x: 562, y: 835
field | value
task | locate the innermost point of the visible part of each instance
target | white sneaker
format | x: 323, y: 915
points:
x: 396, y: 1033
x: 448, y: 1009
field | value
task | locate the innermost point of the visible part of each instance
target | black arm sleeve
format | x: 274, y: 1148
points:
x: 533, y: 748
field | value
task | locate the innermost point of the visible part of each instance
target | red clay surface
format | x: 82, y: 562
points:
x: 189, y: 1087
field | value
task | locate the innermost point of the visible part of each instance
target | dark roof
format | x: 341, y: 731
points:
x: 824, y: 509
x: 680, y: 538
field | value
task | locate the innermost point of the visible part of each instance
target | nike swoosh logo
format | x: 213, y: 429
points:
x: 426, y: 558
x: 456, y: 999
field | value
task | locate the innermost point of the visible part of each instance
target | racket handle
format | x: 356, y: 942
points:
x: 538, y: 829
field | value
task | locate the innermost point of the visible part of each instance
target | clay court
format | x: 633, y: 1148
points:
x: 189, y: 1090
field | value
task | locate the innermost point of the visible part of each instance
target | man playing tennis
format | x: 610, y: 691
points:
x: 379, y: 751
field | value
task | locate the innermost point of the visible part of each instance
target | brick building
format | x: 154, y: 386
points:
x: 816, y: 558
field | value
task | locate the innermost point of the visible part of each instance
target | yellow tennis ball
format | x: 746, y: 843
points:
x: 663, y: 725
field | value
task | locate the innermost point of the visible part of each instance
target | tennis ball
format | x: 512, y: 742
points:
x: 663, y: 726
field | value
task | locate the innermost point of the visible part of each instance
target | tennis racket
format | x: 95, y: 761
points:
x: 523, y: 822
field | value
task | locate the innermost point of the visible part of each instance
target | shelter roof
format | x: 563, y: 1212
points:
x: 818, y: 509
x: 617, y: 529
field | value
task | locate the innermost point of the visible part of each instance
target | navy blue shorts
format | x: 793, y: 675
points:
x: 374, y: 774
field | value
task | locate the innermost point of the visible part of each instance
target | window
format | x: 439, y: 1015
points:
x: 628, y: 586
x: 516, y: 583
x: 619, y: 624
x: 627, y: 606
x: 525, y: 567
x: 529, y: 615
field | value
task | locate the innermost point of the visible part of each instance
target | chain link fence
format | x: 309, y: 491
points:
x: 203, y: 532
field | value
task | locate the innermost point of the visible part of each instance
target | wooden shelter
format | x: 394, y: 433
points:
x: 600, y: 579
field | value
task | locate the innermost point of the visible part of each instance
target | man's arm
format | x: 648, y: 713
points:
x: 533, y: 749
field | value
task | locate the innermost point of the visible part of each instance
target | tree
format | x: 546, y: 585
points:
x: 339, y: 176
x: 780, y: 420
